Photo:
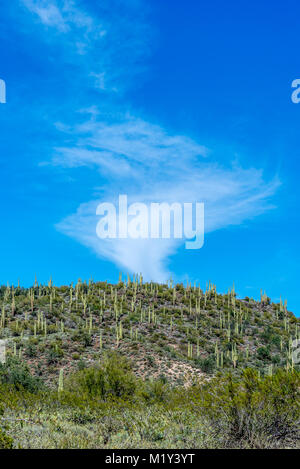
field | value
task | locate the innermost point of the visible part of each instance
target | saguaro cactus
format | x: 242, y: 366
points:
x: 61, y: 380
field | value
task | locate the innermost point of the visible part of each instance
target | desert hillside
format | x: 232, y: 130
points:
x: 143, y: 365
x: 171, y: 331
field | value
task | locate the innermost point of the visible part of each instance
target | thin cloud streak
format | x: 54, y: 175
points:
x: 107, y: 48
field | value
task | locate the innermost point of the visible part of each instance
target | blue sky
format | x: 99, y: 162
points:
x: 164, y: 101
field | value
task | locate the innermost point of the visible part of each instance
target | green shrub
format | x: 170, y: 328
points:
x: 254, y: 412
x: 31, y: 350
x: 263, y: 353
x: 17, y: 374
x: 156, y: 391
x: 6, y: 442
x: 112, y: 378
x: 207, y: 365
x: 54, y: 355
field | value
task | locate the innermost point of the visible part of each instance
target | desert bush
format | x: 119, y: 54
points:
x: 207, y: 365
x: 263, y: 353
x: 17, y: 374
x: 54, y: 354
x: 112, y: 378
x: 254, y: 412
x: 6, y: 442
x: 31, y: 350
x: 156, y: 391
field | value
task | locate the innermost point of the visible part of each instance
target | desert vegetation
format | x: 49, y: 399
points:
x: 145, y: 365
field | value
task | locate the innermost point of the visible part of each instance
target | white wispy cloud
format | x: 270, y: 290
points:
x: 128, y: 144
x: 61, y: 14
x: 107, y: 47
x: 150, y: 165
x: 136, y: 157
x: 48, y: 13
x: 66, y: 18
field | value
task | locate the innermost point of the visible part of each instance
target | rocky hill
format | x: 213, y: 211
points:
x: 177, y: 333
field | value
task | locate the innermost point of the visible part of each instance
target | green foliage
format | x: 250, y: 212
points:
x: 6, y: 442
x: 17, y: 374
x: 177, y: 338
x: 54, y: 355
x: 31, y: 350
x: 112, y: 378
x: 207, y: 365
x: 252, y: 411
x: 156, y: 391
x: 263, y: 353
